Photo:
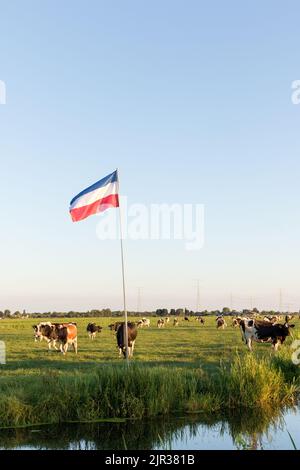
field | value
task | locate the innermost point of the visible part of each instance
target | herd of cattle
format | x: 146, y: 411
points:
x: 266, y: 330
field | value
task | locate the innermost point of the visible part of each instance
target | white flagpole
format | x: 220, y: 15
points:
x: 123, y: 274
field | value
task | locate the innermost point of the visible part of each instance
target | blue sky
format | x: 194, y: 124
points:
x: 192, y: 101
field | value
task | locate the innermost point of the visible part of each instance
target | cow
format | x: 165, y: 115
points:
x: 271, y: 319
x: 167, y: 319
x: 160, y: 323
x: 67, y: 334
x: 186, y: 319
x: 201, y: 320
x: 63, y: 333
x: 143, y: 322
x: 264, y: 332
x: 146, y: 322
x: 45, y: 331
x: 221, y: 323
x: 132, y: 334
x: 235, y: 322
x: 93, y: 329
x: 114, y: 326
x: 175, y: 322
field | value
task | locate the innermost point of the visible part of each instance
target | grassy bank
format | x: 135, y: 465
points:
x: 141, y: 391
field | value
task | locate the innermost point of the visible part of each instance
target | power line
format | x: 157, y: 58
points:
x: 139, y: 300
x: 280, y: 300
x: 198, y: 297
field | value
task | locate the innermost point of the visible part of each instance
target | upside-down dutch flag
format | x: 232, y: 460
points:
x: 96, y: 198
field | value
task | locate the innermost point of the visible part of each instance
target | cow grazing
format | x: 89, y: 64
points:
x: 221, y: 323
x: 93, y: 329
x: 132, y: 334
x: 167, y: 320
x: 175, y: 322
x: 160, y: 323
x: 262, y: 331
x: 186, y: 319
x: 235, y: 322
x: 200, y: 320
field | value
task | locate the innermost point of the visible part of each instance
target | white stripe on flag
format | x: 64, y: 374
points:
x: 93, y: 196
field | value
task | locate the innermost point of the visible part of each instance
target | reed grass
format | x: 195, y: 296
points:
x: 139, y: 391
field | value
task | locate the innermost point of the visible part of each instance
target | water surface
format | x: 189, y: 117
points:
x: 193, y: 432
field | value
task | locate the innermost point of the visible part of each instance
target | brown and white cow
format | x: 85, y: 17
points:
x: 93, y: 329
x: 132, y: 334
x: 67, y: 334
x: 160, y: 323
x: 221, y: 323
x: 262, y: 331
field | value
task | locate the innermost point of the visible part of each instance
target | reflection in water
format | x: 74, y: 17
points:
x: 239, y: 430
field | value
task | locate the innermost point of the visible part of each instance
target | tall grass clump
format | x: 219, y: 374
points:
x: 254, y: 382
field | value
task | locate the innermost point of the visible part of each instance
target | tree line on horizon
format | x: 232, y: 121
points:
x: 160, y: 312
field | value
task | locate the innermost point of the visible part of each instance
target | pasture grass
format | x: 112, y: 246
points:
x: 187, y: 369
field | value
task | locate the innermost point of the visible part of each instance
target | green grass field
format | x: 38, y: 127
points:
x: 187, y: 345
x: 188, y: 368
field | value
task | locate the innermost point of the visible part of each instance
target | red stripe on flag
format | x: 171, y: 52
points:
x: 99, y: 206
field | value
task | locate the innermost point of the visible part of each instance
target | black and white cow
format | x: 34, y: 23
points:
x: 45, y: 331
x: 143, y: 322
x: 93, y: 329
x: 262, y: 331
x: 132, y: 334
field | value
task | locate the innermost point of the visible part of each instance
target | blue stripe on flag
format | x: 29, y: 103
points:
x: 108, y: 179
